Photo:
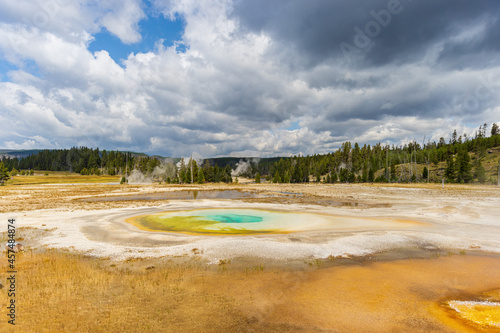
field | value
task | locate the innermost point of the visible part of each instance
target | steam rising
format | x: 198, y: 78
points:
x: 137, y: 177
x: 165, y: 170
x: 195, y: 157
x: 244, y: 167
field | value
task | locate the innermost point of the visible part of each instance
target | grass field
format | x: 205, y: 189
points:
x: 63, y: 292
x: 60, y: 292
x: 60, y: 177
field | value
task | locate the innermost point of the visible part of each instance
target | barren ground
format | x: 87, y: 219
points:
x: 82, y: 258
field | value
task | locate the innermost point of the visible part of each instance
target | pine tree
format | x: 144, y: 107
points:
x: 216, y: 173
x: 227, y: 175
x: 464, y: 167
x: 4, y: 173
x: 182, y: 171
x: 480, y: 173
x: 208, y: 172
x: 450, y: 169
x: 425, y: 173
x: 351, y: 177
x: 276, y: 178
x: 343, y: 175
x: 495, y: 129
x: 364, y: 175
x: 201, y: 176
x: 393, y: 173
x: 195, y: 171
x: 257, y: 178
x: 286, y: 178
x: 371, y: 175
x: 454, y: 137
x: 334, y: 177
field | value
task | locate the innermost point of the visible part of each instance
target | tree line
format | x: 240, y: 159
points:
x: 351, y: 163
x: 384, y: 163
x: 89, y: 161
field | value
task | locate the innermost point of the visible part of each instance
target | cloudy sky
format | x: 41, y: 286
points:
x: 244, y: 77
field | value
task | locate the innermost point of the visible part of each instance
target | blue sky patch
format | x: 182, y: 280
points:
x: 152, y: 30
x: 294, y: 126
x: 29, y: 66
x: 5, y: 67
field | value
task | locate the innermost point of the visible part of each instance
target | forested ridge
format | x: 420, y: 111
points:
x: 462, y: 159
x: 411, y: 162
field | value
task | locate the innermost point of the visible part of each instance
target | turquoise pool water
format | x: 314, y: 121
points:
x: 234, y: 218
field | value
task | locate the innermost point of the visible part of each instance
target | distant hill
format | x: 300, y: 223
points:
x: 27, y: 152
x: 220, y: 161
x: 233, y: 161
x: 18, y: 153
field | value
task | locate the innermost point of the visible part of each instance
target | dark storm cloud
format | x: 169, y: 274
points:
x: 477, y: 52
x: 317, y: 28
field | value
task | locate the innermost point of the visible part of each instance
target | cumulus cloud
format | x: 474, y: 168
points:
x: 123, y: 19
x: 251, y: 69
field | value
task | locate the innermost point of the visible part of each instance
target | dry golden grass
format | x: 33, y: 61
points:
x: 62, y: 292
x: 60, y: 177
